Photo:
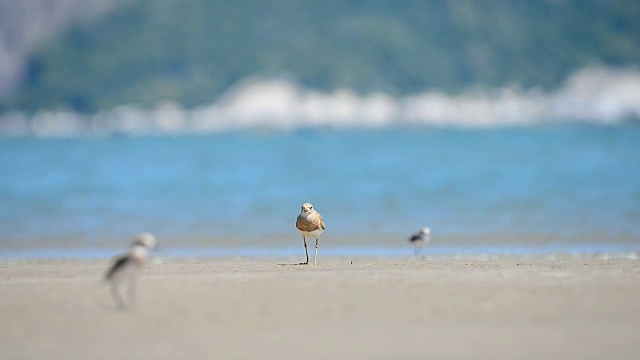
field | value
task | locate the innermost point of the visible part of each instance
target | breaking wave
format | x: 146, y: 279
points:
x: 595, y: 95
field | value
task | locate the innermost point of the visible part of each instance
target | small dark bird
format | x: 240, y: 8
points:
x: 420, y: 240
x: 310, y: 224
x: 127, y: 268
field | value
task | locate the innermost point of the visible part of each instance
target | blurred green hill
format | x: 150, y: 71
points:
x: 191, y: 51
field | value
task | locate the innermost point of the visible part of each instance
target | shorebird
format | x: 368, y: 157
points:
x: 127, y: 267
x: 310, y: 224
x: 420, y: 240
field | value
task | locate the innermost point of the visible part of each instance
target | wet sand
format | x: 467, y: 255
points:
x: 474, y: 307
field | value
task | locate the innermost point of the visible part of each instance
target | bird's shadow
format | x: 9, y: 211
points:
x: 294, y: 264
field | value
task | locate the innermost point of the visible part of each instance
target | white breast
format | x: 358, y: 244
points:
x: 314, y: 233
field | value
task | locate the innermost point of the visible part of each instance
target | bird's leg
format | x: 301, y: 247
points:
x: 116, y: 295
x: 315, y: 259
x: 131, y: 290
x: 305, y: 250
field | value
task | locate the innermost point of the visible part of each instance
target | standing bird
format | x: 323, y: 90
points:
x: 310, y: 224
x: 420, y: 240
x: 128, y: 266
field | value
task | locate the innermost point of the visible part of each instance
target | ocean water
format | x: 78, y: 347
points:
x: 527, y: 189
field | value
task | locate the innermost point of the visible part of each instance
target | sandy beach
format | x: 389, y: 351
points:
x: 473, y: 307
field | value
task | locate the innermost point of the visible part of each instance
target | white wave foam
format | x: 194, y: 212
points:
x: 600, y: 95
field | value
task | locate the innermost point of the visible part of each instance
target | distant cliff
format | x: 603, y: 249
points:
x: 147, y: 51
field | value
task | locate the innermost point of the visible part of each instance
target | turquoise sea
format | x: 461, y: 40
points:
x: 529, y: 189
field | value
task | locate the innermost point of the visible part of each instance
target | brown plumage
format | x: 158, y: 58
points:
x: 310, y: 224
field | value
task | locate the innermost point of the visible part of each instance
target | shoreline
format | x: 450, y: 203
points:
x: 630, y: 251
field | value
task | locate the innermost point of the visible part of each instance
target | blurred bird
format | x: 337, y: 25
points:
x: 127, y: 267
x: 310, y: 224
x: 420, y: 240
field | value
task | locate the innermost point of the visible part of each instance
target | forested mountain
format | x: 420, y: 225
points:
x: 25, y: 24
x: 190, y: 51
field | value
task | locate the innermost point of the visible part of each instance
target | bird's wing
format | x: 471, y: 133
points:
x: 303, y: 224
x: 309, y: 224
x: 119, y: 263
x: 414, y: 237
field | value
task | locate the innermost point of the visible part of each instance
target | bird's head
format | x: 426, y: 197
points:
x: 307, y: 208
x: 146, y: 240
x: 425, y: 230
